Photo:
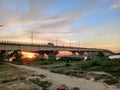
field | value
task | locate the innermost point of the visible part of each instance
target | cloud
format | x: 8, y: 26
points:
x: 47, y: 21
x: 116, y: 5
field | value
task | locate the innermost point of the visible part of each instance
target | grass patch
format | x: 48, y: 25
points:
x: 75, y: 88
x: 8, y: 80
x: 41, y: 75
x: 101, y: 64
x: 5, y: 67
x: 44, y: 84
x: 110, y: 80
x: 39, y: 62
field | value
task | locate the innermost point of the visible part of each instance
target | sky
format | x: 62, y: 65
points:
x: 80, y: 23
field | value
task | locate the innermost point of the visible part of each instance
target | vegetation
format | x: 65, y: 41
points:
x: 69, y: 59
x: 67, y: 66
x: 41, y: 75
x: 5, y: 67
x: 8, y: 80
x: 75, y: 88
x: 98, y: 63
x: 18, y: 59
x: 38, y: 62
x: 107, y: 79
x: 101, y: 64
x: 43, y: 84
x: 100, y: 54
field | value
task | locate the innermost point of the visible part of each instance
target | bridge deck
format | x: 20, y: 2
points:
x: 12, y: 45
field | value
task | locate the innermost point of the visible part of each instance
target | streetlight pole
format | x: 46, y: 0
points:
x: 79, y: 43
x: 56, y: 41
x: 70, y: 43
x: 31, y: 37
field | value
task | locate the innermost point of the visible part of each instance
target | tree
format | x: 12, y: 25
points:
x: 100, y: 54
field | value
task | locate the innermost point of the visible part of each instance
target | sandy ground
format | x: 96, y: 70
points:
x: 69, y: 81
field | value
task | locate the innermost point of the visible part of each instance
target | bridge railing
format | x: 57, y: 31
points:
x: 28, y: 43
x: 18, y: 43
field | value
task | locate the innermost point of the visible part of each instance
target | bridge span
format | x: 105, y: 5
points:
x: 50, y: 49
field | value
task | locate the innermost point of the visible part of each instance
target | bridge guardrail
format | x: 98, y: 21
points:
x: 18, y: 43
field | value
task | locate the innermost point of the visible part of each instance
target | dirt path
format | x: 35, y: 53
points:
x: 58, y: 79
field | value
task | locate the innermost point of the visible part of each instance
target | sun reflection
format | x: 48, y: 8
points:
x: 29, y: 55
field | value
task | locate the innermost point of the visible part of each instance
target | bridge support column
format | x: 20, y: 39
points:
x: 73, y: 53
x: 93, y: 54
x: 51, y: 54
x: 81, y: 54
x: 4, y: 55
x: 41, y: 53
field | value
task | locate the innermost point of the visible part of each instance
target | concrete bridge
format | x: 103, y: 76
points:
x: 50, y: 49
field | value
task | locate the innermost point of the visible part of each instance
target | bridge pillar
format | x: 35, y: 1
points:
x: 83, y: 55
x: 41, y: 53
x: 51, y: 54
x: 2, y: 52
x: 4, y: 55
x: 73, y: 53
x: 93, y: 54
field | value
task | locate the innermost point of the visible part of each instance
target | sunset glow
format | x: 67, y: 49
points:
x: 64, y: 53
x: 29, y: 55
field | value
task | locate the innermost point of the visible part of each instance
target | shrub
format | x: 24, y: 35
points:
x: 111, y: 81
x: 60, y: 71
x: 46, y: 62
x: 67, y: 64
x: 8, y: 80
x: 100, y: 54
x: 75, y: 88
x: 101, y: 64
x: 68, y: 59
x: 43, y: 84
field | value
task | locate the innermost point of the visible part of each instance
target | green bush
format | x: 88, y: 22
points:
x: 46, y: 62
x: 17, y: 61
x: 8, y: 80
x: 100, y: 54
x: 43, y: 84
x: 69, y: 59
x: 111, y: 81
x: 67, y: 64
x: 38, y: 62
x: 101, y: 64
x: 75, y: 88
x: 60, y: 71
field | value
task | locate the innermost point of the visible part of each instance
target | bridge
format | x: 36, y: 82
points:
x: 50, y: 49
